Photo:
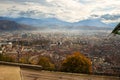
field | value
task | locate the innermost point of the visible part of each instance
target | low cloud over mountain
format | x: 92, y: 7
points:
x: 53, y: 23
x: 68, y: 11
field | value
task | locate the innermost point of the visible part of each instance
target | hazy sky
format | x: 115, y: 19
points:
x: 66, y: 10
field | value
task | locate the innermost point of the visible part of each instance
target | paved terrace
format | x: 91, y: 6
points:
x: 8, y: 72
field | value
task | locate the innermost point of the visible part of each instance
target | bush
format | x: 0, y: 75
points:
x: 77, y: 63
x: 24, y: 60
x: 6, y: 58
x: 46, y: 63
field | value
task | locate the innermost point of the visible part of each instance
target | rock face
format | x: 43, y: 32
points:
x: 7, y: 25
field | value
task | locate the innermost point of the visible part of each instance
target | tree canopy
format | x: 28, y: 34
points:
x: 77, y: 63
x: 46, y: 63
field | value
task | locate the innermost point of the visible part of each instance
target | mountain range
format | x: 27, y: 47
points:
x: 7, y: 25
x: 53, y: 23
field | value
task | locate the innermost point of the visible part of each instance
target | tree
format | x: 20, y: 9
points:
x: 116, y: 29
x: 46, y: 63
x: 24, y: 60
x: 6, y: 58
x: 77, y: 63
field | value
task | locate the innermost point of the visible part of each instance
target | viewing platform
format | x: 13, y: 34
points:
x: 14, y: 72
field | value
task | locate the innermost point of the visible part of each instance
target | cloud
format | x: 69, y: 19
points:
x: 111, y: 17
x: 107, y: 18
x: 70, y: 11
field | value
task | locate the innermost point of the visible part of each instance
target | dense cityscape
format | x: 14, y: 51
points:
x: 101, y: 47
x: 59, y: 39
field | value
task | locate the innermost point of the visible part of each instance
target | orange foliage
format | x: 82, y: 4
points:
x: 46, y: 63
x: 77, y: 63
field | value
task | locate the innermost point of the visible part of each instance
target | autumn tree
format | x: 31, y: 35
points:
x: 46, y: 63
x: 77, y: 63
x: 24, y: 60
x: 6, y: 58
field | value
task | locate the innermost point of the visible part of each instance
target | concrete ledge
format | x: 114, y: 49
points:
x: 9, y: 72
x: 36, y: 67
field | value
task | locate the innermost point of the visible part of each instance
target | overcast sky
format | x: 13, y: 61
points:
x: 65, y: 10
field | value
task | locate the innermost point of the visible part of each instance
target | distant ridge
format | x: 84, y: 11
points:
x: 53, y: 23
x: 7, y: 25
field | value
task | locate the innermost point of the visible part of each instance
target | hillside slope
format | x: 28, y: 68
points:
x: 7, y: 25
